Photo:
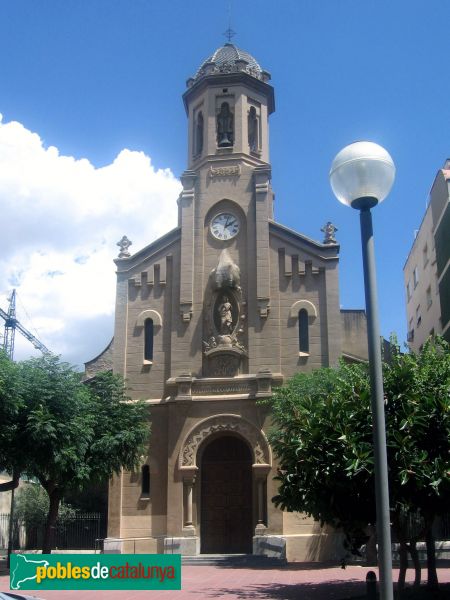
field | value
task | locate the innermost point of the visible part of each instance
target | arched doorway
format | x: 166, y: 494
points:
x: 226, y: 497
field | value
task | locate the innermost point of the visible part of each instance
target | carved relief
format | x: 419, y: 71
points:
x: 244, y: 387
x: 231, y: 67
x: 224, y: 365
x: 224, y: 171
x: 224, y: 423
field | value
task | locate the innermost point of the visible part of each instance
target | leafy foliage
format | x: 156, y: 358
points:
x: 11, y: 405
x: 64, y: 432
x: 32, y: 504
x: 323, y: 439
x: 75, y: 432
x: 417, y: 389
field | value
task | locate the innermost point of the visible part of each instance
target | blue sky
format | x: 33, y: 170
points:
x: 95, y: 77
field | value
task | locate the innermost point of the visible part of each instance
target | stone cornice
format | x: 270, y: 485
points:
x: 232, y: 158
x: 219, y: 80
x: 189, y: 388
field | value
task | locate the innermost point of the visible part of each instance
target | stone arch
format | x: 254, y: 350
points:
x: 149, y: 314
x: 225, y: 423
x: 307, y: 305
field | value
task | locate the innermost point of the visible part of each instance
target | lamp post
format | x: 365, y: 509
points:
x: 361, y: 176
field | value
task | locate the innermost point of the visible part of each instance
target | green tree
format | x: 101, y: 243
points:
x: 72, y: 432
x: 417, y: 389
x: 11, y: 404
x: 323, y: 438
x: 32, y: 504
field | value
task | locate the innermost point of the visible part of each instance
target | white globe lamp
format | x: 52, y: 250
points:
x: 362, y: 170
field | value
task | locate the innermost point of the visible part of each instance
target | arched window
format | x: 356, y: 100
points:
x: 148, y: 341
x: 145, y: 481
x: 303, y: 333
x: 253, y: 130
x: 199, y: 134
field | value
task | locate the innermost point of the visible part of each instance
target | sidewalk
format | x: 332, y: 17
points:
x: 296, y: 581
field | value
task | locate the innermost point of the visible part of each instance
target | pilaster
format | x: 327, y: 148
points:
x: 262, y: 214
x: 186, y: 204
x: 115, y: 506
x: 333, y: 317
x: 121, y: 323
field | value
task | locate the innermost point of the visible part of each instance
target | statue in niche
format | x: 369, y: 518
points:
x: 224, y: 327
x: 226, y: 316
x: 252, y: 130
x: 225, y: 126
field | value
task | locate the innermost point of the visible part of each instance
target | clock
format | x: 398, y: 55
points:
x: 225, y: 226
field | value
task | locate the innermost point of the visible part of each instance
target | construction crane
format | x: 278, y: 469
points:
x: 11, y: 324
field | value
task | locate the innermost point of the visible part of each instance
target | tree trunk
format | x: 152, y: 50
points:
x: 416, y: 562
x: 403, y: 552
x: 55, y: 498
x: 371, y: 546
x: 432, y: 583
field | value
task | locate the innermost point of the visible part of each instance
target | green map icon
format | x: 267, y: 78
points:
x: 24, y: 570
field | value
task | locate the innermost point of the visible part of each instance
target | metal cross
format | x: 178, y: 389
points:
x: 229, y: 33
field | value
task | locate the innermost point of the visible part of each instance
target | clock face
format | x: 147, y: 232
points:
x: 225, y: 226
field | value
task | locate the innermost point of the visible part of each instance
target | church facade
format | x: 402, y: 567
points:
x: 209, y: 318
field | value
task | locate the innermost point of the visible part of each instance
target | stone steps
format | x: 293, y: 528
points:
x: 233, y: 560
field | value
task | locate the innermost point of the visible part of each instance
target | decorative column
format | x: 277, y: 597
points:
x: 183, y: 539
x: 260, y: 484
x: 189, y: 485
x: 260, y: 472
x: 188, y: 500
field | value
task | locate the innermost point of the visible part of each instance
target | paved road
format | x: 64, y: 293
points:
x: 291, y: 582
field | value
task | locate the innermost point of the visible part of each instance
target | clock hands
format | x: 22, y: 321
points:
x: 224, y: 226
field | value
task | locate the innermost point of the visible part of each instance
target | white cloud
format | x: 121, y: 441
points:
x: 61, y: 219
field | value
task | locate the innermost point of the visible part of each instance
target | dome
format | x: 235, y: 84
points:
x: 230, y: 59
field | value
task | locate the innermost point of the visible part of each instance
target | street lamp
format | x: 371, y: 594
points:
x: 361, y: 176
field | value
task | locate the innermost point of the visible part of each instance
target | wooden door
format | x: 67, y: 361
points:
x: 226, y: 497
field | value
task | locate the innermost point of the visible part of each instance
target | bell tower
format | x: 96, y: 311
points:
x: 228, y: 103
x: 224, y: 213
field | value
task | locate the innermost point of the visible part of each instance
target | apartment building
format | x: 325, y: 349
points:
x: 426, y: 271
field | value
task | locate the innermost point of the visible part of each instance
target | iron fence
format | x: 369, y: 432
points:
x: 415, y: 527
x: 77, y: 532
